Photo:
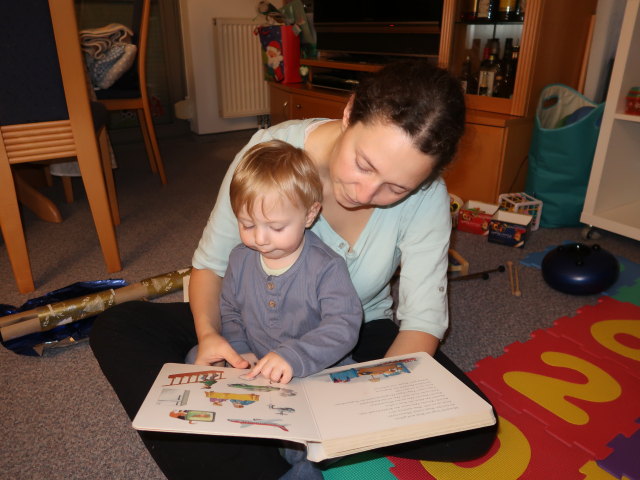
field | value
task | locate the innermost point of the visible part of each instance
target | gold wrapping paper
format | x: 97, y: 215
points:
x: 50, y: 316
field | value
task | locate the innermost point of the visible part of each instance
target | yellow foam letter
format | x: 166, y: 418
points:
x: 550, y: 392
x: 508, y: 463
x: 605, y: 334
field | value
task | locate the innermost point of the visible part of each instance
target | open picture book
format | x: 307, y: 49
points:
x: 337, y: 412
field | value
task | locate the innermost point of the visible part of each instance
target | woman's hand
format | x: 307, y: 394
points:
x: 213, y: 348
x: 251, y: 358
x: 273, y: 367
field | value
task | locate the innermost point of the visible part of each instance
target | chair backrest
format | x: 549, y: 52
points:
x: 45, y: 109
x: 32, y: 88
x: 141, y: 14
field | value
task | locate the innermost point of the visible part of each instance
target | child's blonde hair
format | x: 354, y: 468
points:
x: 275, y: 166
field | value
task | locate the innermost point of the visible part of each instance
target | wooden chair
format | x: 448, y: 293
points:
x: 45, y: 115
x: 130, y: 91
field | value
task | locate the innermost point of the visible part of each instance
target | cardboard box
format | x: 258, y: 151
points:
x: 474, y: 217
x: 509, y: 228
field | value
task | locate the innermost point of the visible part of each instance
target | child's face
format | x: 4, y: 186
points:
x: 275, y: 228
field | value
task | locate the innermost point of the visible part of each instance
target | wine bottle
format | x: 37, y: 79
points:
x: 466, y: 77
x: 489, y: 68
x: 506, y: 10
x: 465, y: 74
x: 520, y: 8
x: 502, y: 76
x: 487, y: 9
x: 469, y: 11
x: 509, y: 77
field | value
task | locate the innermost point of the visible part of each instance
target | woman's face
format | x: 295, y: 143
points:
x: 376, y: 165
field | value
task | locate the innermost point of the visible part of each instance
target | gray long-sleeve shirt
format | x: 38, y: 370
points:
x: 310, y: 315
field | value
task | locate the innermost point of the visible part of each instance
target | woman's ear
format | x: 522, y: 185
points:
x: 347, y: 113
x: 312, y: 213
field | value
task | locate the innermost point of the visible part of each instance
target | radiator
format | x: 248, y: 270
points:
x: 242, y: 90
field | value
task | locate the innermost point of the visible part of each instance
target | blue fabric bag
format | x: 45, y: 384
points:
x: 564, y: 140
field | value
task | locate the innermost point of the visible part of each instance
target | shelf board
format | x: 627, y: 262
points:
x: 627, y: 117
x: 490, y: 22
x: 623, y: 219
x: 325, y: 63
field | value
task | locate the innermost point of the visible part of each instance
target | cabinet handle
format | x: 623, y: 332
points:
x: 298, y: 106
x: 284, y: 108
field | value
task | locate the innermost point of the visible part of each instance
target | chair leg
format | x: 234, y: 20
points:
x: 94, y: 184
x: 151, y: 132
x: 147, y: 140
x: 105, y: 155
x: 47, y: 176
x: 13, y: 232
x: 35, y: 201
x: 67, y: 186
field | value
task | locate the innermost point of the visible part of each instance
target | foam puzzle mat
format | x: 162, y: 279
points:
x: 568, y: 402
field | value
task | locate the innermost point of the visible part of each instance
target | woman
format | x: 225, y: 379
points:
x: 384, y: 206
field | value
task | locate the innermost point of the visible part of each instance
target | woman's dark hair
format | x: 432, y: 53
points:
x: 423, y: 100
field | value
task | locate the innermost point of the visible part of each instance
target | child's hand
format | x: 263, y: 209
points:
x: 273, y: 367
x: 214, y: 348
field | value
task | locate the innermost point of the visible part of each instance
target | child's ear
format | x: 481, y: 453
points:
x: 312, y: 213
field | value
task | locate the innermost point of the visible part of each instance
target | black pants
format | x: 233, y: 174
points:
x: 131, y: 343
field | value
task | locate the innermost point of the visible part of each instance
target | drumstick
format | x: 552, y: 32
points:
x: 510, y: 268
x: 517, y: 291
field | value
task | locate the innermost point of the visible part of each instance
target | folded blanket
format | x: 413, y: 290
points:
x: 108, y: 53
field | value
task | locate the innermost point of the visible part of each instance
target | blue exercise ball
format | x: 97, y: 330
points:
x: 578, y: 269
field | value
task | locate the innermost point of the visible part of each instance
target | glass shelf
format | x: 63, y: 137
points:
x: 489, y: 22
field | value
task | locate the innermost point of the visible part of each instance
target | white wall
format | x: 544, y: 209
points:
x: 197, y: 32
x: 603, y: 48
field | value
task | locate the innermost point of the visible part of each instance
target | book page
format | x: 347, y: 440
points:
x: 220, y: 401
x: 392, y: 395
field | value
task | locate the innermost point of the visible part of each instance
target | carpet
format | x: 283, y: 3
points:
x: 567, y: 401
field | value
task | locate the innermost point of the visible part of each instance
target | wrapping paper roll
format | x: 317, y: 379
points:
x: 61, y: 313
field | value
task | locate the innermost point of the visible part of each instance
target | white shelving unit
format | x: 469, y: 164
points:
x: 612, y: 201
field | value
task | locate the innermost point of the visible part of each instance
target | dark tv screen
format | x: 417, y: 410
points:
x: 364, y: 11
x: 380, y: 28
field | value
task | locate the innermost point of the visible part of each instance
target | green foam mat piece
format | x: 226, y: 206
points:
x: 363, y: 466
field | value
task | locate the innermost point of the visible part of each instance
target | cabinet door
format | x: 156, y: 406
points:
x: 476, y: 171
x: 280, y: 105
x: 310, y: 107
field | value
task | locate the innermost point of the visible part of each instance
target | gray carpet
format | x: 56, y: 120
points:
x: 60, y: 418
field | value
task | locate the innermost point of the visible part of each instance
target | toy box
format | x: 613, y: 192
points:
x: 474, y: 217
x: 509, y: 228
x: 522, y: 203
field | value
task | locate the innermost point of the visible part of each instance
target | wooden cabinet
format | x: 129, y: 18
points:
x: 493, y: 153
x: 492, y: 157
x: 552, y: 40
x: 612, y: 201
x: 299, y: 101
